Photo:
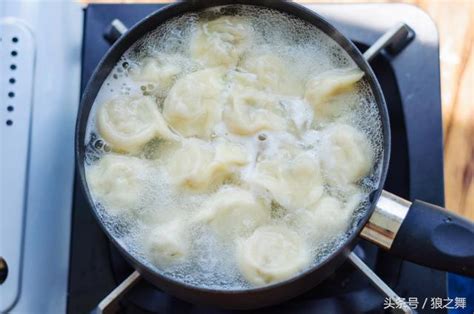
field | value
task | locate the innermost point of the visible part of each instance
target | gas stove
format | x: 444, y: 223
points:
x: 410, y: 81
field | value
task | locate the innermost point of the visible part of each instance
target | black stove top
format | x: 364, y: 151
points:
x: 410, y: 82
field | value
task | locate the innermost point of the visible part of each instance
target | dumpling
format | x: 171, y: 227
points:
x: 300, y: 113
x: 321, y: 90
x: 346, y: 155
x: 273, y: 74
x: 189, y: 165
x: 293, y: 179
x: 118, y: 182
x: 271, y: 254
x: 194, y: 104
x: 234, y: 211
x: 160, y: 71
x: 127, y: 123
x: 168, y: 243
x: 221, y: 42
x: 328, y: 84
x: 331, y: 216
x: 241, y: 80
x: 230, y: 153
x: 253, y: 107
x: 250, y: 111
x: 199, y: 166
x: 324, y: 221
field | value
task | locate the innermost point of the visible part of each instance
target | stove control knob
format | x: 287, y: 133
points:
x: 3, y: 270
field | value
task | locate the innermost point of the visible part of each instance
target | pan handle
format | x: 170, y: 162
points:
x: 432, y: 236
x: 422, y: 233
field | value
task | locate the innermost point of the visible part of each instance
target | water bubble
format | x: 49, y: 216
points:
x: 99, y: 144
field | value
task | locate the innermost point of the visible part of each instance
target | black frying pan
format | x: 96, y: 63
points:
x: 419, y: 232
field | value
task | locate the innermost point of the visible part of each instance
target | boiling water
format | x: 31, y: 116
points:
x: 307, y: 51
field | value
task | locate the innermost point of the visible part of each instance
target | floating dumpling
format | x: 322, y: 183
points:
x: 300, y: 113
x: 321, y: 90
x: 241, y: 80
x: 272, y: 73
x: 194, y: 104
x: 250, y: 111
x: 127, y: 123
x: 197, y: 165
x: 328, y: 218
x: 118, y: 183
x: 168, y: 243
x: 346, y: 155
x: 271, y: 254
x: 251, y: 102
x: 160, y: 71
x: 221, y: 42
x: 332, y: 217
x: 293, y: 179
x: 234, y: 211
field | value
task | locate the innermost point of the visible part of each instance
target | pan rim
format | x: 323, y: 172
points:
x: 121, y: 45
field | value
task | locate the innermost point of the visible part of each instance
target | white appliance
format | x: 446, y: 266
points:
x: 40, y: 53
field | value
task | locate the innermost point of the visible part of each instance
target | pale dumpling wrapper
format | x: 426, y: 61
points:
x: 253, y: 108
x: 221, y: 42
x: 250, y: 111
x: 234, y: 211
x: 119, y: 183
x: 328, y: 218
x: 128, y: 122
x: 300, y: 113
x: 274, y: 74
x: 293, y: 179
x: 160, y: 71
x: 241, y: 80
x: 331, y: 216
x: 271, y: 254
x: 168, y: 243
x: 198, y: 165
x: 322, y: 89
x: 346, y: 155
x: 194, y: 104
